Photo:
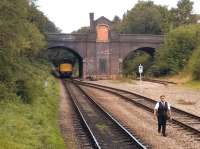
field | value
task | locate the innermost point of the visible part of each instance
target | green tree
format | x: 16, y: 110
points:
x: 116, y: 23
x: 12, y: 19
x: 182, y: 15
x: 145, y: 18
x: 116, y: 20
x: 82, y: 30
x: 20, y: 36
x: 179, y: 45
x: 131, y: 63
x: 194, y: 64
x: 41, y: 21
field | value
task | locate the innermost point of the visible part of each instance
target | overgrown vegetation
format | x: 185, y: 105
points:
x: 148, y: 18
x: 28, y: 108
x: 194, y: 64
x: 20, y: 38
x: 179, y: 52
x: 130, y: 65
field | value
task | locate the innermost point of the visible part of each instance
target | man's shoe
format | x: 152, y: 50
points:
x: 164, y: 135
x: 159, y: 130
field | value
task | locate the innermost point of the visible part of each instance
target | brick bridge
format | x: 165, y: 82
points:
x: 101, y: 51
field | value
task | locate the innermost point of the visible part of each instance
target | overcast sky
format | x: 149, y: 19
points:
x: 70, y: 15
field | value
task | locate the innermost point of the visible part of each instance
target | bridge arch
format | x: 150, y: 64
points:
x: 59, y: 52
x: 143, y: 55
x: 148, y: 49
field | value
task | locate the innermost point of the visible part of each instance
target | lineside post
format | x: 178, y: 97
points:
x: 140, y: 70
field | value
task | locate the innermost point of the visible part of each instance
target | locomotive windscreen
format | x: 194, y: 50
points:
x: 65, y: 67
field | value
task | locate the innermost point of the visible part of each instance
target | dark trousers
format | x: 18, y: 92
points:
x: 162, y: 119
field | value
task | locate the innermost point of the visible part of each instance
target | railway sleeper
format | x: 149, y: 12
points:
x: 180, y: 119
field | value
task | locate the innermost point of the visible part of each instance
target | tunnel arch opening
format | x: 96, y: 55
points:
x: 141, y: 55
x: 58, y: 53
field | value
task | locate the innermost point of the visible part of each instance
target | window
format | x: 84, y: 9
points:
x: 103, y: 65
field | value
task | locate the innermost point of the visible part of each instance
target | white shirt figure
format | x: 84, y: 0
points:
x: 157, y: 105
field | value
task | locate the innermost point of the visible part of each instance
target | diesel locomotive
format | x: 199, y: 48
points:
x: 64, y: 68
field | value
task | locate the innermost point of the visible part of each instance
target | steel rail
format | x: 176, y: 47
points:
x: 122, y: 130
x: 112, y: 118
x: 157, y: 81
x: 74, y: 100
x: 117, y: 92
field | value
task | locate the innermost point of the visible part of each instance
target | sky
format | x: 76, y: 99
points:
x: 70, y: 15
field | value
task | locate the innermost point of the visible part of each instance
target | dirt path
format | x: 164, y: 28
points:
x: 179, y: 97
x: 143, y: 123
x: 66, y: 120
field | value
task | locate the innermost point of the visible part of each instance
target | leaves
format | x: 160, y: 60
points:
x: 194, y: 64
x: 131, y: 63
x: 20, y: 37
x: 178, y: 47
x: 143, y: 18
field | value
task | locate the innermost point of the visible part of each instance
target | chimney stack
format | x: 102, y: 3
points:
x: 91, y: 21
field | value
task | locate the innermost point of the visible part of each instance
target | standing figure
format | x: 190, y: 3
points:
x: 162, y: 112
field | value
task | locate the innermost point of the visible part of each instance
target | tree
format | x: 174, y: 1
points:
x: 194, y: 64
x: 182, y: 15
x: 82, y: 30
x: 178, y: 47
x: 131, y: 63
x: 12, y: 17
x: 145, y: 18
x: 41, y: 21
x: 116, y: 22
x: 166, y: 22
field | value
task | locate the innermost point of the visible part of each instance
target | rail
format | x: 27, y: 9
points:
x: 118, y: 135
x: 182, y: 118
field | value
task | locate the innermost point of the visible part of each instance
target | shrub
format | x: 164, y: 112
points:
x: 178, y: 47
x: 194, y: 64
x: 130, y: 65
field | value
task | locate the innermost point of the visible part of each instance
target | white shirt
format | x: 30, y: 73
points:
x: 157, y: 105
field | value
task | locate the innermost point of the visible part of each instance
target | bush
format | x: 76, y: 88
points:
x: 178, y: 46
x: 32, y: 125
x: 194, y: 64
x: 130, y: 65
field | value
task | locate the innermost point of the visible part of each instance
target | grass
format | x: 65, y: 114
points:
x: 102, y: 127
x: 184, y: 102
x: 193, y: 84
x: 32, y: 125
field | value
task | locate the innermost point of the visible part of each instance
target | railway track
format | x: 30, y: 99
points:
x: 157, y: 81
x: 185, y: 120
x: 104, y: 130
x: 81, y: 129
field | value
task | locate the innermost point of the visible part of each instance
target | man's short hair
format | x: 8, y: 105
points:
x: 162, y: 96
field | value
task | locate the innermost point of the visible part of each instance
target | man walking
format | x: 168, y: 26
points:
x: 162, y: 112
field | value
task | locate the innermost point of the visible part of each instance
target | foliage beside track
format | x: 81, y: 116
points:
x: 131, y: 66
x: 179, y: 52
x: 194, y: 64
x: 29, y: 110
x: 30, y: 122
